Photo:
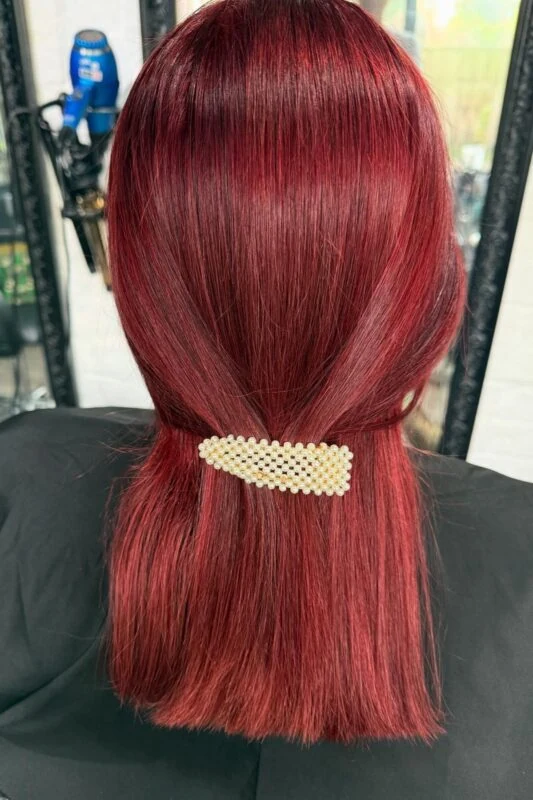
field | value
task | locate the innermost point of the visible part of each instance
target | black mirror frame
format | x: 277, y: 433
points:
x: 512, y: 159
x: 18, y: 95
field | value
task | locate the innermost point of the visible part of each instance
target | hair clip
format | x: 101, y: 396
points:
x: 323, y: 468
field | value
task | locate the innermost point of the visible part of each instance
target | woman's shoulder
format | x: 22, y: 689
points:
x: 56, y: 471
x: 52, y: 449
x: 478, y: 512
x: 43, y: 452
x: 57, y: 467
x: 483, y: 524
x: 465, y: 494
x: 57, y: 427
x: 72, y: 455
x: 57, y: 447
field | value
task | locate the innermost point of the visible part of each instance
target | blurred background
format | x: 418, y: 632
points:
x: 60, y: 340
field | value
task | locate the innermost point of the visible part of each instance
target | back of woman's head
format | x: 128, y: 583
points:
x: 285, y: 268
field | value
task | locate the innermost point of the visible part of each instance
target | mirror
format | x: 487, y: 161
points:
x: 463, y: 47
x: 24, y: 382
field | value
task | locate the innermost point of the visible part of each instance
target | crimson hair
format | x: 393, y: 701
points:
x: 284, y: 265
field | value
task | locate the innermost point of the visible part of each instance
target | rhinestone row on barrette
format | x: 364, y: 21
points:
x: 311, y: 468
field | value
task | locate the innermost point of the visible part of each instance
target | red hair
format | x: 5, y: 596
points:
x: 284, y: 265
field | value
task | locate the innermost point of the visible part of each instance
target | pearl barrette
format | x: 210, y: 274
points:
x: 323, y: 468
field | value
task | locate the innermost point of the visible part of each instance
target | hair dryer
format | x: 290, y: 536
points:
x: 93, y: 72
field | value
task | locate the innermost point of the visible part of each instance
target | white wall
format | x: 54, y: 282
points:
x: 503, y: 433
x: 186, y: 7
x: 105, y: 372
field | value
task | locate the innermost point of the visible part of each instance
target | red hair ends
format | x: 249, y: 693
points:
x: 284, y: 265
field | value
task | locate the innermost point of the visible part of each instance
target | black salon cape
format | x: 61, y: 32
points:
x: 64, y: 736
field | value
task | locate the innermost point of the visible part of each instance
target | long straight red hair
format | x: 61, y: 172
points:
x: 284, y: 265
